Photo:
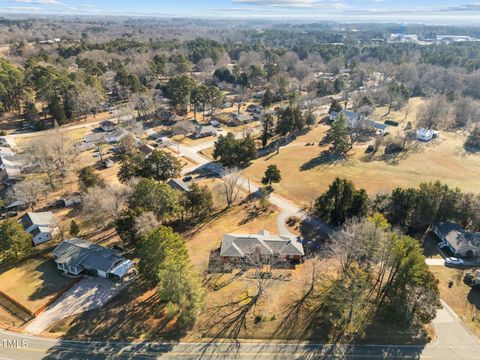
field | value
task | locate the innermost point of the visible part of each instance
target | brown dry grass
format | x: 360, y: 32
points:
x: 33, y: 283
x: 239, y: 219
x: 443, y: 159
x: 464, y: 300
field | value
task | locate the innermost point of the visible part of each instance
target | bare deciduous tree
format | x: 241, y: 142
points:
x: 183, y: 128
x: 145, y: 222
x: 433, y: 114
x: 53, y: 154
x: 231, y: 185
x: 30, y: 191
x: 103, y: 205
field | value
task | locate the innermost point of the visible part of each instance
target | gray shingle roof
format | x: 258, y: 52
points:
x: 179, y: 184
x: 456, y: 235
x: 76, y: 252
x: 45, y: 218
x: 239, y: 245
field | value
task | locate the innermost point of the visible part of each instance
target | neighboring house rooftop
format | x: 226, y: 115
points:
x: 5, y: 163
x: 108, y: 125
x: 179, y: 184
x: 146, y: 149
x: 203, y: 130
x: 94, y: 137
x: 30, y: 219
x: 457, y: 236
x: 242, y: 117
x: 240, y: 245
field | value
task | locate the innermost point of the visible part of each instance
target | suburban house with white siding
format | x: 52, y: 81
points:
x: 41, y: 225
x: 353, y: 119
x: 460, y: 242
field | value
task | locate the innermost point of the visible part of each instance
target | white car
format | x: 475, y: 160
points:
x: 453, y: 261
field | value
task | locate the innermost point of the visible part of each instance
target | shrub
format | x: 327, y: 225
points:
x: 391, y: 122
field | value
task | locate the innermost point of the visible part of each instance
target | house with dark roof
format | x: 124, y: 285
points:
x: 76, y: 256
x: 238, y: 246
x: 254, y: 108
x: 146, y: 149
x: 460, y: 242
x: 108, y: 125
x: 41, y: 225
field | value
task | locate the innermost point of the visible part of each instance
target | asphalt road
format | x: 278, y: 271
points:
x: 20, y: 347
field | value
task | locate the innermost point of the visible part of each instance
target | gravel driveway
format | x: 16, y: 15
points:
x: 87, y: 294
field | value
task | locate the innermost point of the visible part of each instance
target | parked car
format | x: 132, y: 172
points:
x: 8, y: 214
x: 453, y: 261
x: 108, y: 163
x: 187, y: 178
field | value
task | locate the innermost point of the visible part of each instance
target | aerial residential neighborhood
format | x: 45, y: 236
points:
x: 239, y: 180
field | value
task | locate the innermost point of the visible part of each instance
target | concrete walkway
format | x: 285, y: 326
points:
x: 435, y: 262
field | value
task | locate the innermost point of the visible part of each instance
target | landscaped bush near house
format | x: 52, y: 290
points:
x: 473, y: 140
x: 391, y: 122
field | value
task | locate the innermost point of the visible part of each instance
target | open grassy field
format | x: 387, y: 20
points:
x: 33, y: 283
x: 464, y: 300
x: 442, y: 159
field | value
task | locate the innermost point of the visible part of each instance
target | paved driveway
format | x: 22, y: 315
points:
x: 87, y: 294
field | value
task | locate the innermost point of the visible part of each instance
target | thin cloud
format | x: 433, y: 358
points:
x: 292, y: 4
x: 37, y: 2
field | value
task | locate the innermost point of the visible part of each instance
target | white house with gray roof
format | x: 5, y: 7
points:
x: 237, y: 246
x: 353, y: 119
x: 460, y: 242
x: 41, y: 225
x: 76, y: 256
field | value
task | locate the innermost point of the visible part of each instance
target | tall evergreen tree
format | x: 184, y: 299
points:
x: 339, y: 135
x: 340, y: 202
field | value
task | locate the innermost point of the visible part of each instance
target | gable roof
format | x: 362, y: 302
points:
x: 78, y: 252
x: 146, y: 149
x: 457, y: 236
x: 242, y: 117
x: 107, y: 124
x: 179, y: 184
x: 45, y: 218
x: 205, y: 129
x: 239, y: 245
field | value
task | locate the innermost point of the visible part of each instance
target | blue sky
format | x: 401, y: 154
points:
x: 439, y: 11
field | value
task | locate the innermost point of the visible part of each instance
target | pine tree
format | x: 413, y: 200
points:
x: 335, y: 106
x: 74, y: 228
x: 267, y: 99
x: 267, y: 129
x: 339, y: 135
x: 55, y: 107
x: 272, y: 175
